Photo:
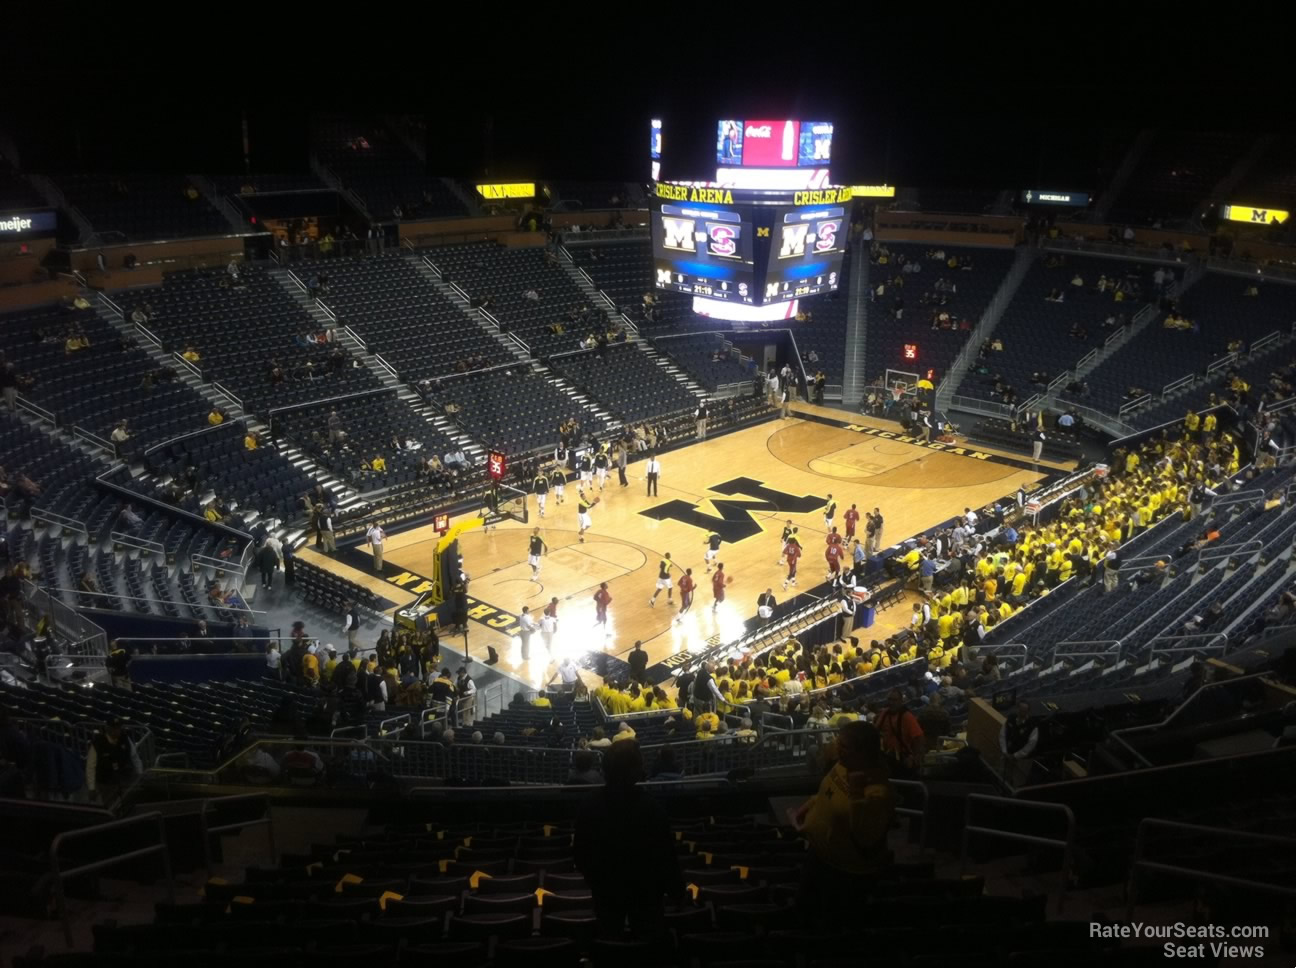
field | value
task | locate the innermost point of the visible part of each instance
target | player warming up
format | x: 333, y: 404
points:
x: 833, y: 553
x: 663, y: 580
x: 536, y: 549
x: 718, y: 582
x: 712, y: 543
x: 830, y: 512
x: 601, y: 466
x: 602, y: 599
x: 686, y: 593
x: 792, y: 552
x: 558, y: 481
x: 852, y: 518
x: 541, y: 487
x: 583, y: 505
x: 586, y: 467
x: 788, y: 531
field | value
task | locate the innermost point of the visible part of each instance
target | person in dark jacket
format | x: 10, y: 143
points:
x: 621, y: 821
x: 111, y: 762
x: 638, y: 662
x: 268, y: 562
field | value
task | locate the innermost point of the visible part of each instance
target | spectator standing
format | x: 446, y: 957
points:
x: 351, y: 624
x: 111, y: 762
x: 268, y: 562
x: 901, y: 736
x: 700, y: 416
x: 376, y: 537
x: 638, y: 662
x: 622, y: 821
x: 324, y: 523
x: 1017, y: 741
x: 846, y: 824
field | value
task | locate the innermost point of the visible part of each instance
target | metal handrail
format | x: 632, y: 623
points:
x: 1140, y: 863
x: 134, y: 598
x: 330, y: 401
x: 53, y: 517
x: 355, y: 336
x: 1134, y: 404
x: 130, y: 541
x: 1227, y: 360
x: 90, y: 437
x: 36, y: 410
x: 922, y: 814
x: 391, y: 370
x: 59, y: 876
x: 1219, y: 552
x: 207, y: 830
x: 189, y: 365
x: 1067, y: 844
x: 1264, y: 341
x: 1174, y: 385
x: 221, y: 388
x: 1218, y: 643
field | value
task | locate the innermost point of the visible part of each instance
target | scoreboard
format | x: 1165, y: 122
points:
x: 704, y: 251
x: 756, y: 249
x: 810, y: 243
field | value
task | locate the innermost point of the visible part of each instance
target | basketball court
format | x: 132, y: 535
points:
x: 745, y: 486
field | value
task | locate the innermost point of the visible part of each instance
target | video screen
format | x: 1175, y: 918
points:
x: 656, y: 139
x: 816, y: 143
x: 806, y: 252
x: 703, y: 251
x: 773, y: 144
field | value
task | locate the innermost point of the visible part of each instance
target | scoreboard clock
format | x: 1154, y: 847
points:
x: 496, y: 465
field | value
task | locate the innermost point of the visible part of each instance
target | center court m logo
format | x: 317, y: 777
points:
x: 735, y: 521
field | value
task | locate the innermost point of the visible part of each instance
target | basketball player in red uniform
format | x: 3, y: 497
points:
x: 834, y: 554
x: 851, y: 516
x: 718, y: 582
x: 602, y: 599
x: 792, y: 552
x: 686, y: 586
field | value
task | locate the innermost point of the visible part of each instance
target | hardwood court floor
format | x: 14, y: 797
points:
x: 743, y: 485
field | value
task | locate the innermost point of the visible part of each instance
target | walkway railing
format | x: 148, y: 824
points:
x: 261, y: 819
x: 1066, y: 843
x: 60, y: 875
x: 1236, y: 838
x: 85, y: 636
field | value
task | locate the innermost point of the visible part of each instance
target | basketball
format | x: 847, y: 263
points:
x: 729, y: 580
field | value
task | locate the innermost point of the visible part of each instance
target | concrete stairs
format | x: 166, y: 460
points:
x: 457, y: 296
x: 1229, y: 182
x: 330, y: 178
x: 346, y: 338
x: 586, y: 402
x: 854, y: 371
x: 693, y: 387
x: 346, y: 496
x: 594, y: 295
x: 1025, y: 257
x: 470, y: 202
x: 343, y: 335
x: 219, y: 201
x: 1123, y: 173
x: 54, y: 195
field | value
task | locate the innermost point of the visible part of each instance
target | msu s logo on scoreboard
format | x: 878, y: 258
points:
x: 722, y: 239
